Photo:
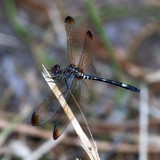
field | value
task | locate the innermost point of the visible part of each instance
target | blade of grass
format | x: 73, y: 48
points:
x: 21, y: 31
x: 93, y: 13
x: 38, y: 50
x: 98, y: 24
x: 88, y: 146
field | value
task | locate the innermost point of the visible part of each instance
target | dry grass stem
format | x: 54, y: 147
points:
x: 89, y: 147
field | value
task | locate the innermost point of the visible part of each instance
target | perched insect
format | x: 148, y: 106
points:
x: 70, y: 81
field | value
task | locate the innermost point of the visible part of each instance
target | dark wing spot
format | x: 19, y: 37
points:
x: 69, y: 20
x: 35, y: 119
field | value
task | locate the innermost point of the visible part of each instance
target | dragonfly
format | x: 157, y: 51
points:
x: 71, y: 82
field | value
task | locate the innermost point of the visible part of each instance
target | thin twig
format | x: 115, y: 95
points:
x: 144, y: 115
x: 26, y: 129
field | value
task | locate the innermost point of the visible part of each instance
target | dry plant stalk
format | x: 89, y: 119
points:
x: 89, y: 147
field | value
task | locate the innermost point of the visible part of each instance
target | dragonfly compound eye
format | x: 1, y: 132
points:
x: 56, y: 69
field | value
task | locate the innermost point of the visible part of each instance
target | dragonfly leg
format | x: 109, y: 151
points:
x: 67, y: 88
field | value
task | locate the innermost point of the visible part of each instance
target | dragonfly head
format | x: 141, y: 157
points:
x: 56, y: 70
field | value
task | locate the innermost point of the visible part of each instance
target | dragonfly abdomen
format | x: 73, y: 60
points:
x: 122, y: 85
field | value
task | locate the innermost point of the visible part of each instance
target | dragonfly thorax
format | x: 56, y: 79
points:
x: 70, y: 68
x: 73, y: 70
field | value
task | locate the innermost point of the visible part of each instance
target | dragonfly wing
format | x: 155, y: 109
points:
x: 46, y: 110
x: 60, y: 121
x: 75, y: 99
x: 86, y: 60
x: 71, y: 39
x: 51, y: 110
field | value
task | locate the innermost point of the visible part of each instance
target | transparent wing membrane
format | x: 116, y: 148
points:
x: 71, y: 38
x: 51, y: 110
x: 86, y: 60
